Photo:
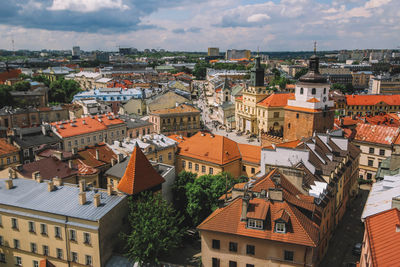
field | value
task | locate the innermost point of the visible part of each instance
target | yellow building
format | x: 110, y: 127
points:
x: 65, y: 224
x: 9, y: 154
x: 363, y: 105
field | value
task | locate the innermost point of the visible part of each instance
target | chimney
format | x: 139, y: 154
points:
x: 58, y: 154
x: 396, y: 203
x: 35, y: 175
x: 70, y: 164
x: 74, y: 150
x: 9, y: 184
x: 113, y: 161
x: 109, y: 189
x: 96, y: 200
x: 120, y: 157
x: 82, y: 186
x: 275, y: 194
x: 82, y: 198
x: 245, y: 205
x: 57, y: 181
x: 97, y: 154
x: 50, y: 186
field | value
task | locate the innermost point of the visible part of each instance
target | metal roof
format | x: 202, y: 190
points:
x: 64, y: 200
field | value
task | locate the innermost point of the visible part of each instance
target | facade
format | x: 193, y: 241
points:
x: 371, y: 104
x: 138, y: 127
x: 85, y: 79
x: 311, y: 110
x: 37, y: 97
x: 213, y: 51
x: 61, y: 224
x: 361, y: 79
x: 183, y: 120
x: 165, y: 100
x: 93, y: 107
x: 385, y: 85
x: 133, y: 106
x: 9, y: 154
x: 237, y: 54
x: 110, y: 94
x: 86, y: 131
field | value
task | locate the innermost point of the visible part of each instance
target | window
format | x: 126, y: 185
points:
x: 289, y: 255
x: 280, y: 228
x: 313, y: 91
x: 244, y: 168
x: 256, y: 224
x: 69, y: 143
x: 18, y: 261
x: 43, y: 229
x: 370, y: 162
x: 203, y: 168
x: 250, y: 250
x: 381, y: 152
x: 45, y: 250
x: 371, y: 150
x: 33, y: 248
x: 324, y: 90
x: 16, y: 243
x: 183, y: 164
x: 210, y: 170
x: 14, y: 223
x: 74, y: 257
x: 169, y: 156
x: 196, y: 167
x: 215, y: 244
x: 297, y: 115
x: 190, y: 165
x: 59, y: 253
x: 88, y: 260
x: 215, y: 262
x: 233, y: 246
x: 76, y: 142
x: 35, y: 264
x: 369, y: 176
x: 14, y: 158
x: 253, y: 170
x: 232, y: 264
x: 57, y: 232
x: 2, y: 257
x: 94, y: 138
x: 1, y: 240
x: 26, y: 152
x: 8, y: 160
x: 288, y: 125
x: 160, y: 158
x: 276, y: 114
x: 82, y: 141
x: 301, y: 90
x: 32, y: 227
x: 86, y: 238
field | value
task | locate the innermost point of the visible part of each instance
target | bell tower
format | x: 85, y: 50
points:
x: 310, y: 110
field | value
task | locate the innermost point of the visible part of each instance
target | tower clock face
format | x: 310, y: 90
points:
x: 324, y: 99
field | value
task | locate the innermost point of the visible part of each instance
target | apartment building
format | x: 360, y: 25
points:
x: 89, y: 130
x: 58, y: 224
x: 381, y: 85
x: 9, y: 154
x: 183, y: 120
x: 371, y: 104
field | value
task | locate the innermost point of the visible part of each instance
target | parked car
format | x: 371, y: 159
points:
x: 357, y: 249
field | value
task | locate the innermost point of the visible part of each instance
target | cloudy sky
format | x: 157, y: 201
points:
x: 194, y: 25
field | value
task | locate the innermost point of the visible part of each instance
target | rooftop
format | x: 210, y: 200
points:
x: 368, y: 100
x: 6, y: 148
x: 183, y: 108
x: 276, y: 100
x: 380, y: 134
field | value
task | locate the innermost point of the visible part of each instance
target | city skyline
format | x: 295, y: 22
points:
x: 278, y: 25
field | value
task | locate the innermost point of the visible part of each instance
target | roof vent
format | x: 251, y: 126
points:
x: 99, y: 120
x: 61, y: 126
x: 73, y: 124
x: 84, y: 122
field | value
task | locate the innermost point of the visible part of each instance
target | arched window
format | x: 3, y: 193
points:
x: 301, y: 90
x: 313, y: 91
x: 324, y: 90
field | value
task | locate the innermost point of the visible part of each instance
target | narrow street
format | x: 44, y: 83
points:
x: 349, y: 232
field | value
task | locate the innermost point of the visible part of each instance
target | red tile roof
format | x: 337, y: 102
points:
x: 290, y: 86
x: 227, y: 220
x: 6, y: 75
x: 250, y: 153
x: 49, y: 168
x: 380, y: 134
x: 276, y: 100
x: 368, y: 100
x: 87, y: 156
x: 302, y: 109
x: 85, y: 125
x: 6, y: 148
x: 313, y: 100
x: 384, y: 237
x: 139, y: 175
x: 239, y: 98
x: 212, y: 148
x: 178, y: 138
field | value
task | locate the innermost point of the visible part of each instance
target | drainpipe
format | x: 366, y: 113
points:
x: 68, y: 254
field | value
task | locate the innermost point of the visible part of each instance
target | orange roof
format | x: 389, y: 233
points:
x: 46, y: 263
x: 87, y: 156
x: 250, y: 153
x: 213, y: 148
x: 313, y: 100
x: 368, y: 100
x: 183, y: 108
x: 7, y: 148
x: 85, y: 125
x: 384, y: 237
x: 13, y: 73
x: 381, y: 134
x: 178, y: 138
x: 290, y: 86
x: 139, y: 175
x: 291, y: 144
x: 227, y: 220
x: 276, y: 100
x: 302, y: 109
x: 239, y: 98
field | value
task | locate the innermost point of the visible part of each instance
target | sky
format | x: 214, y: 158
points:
x: 194, y: 25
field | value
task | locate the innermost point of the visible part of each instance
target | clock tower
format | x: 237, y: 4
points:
x: 310, y: 110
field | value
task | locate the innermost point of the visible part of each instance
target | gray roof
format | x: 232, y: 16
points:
x: 135, y: 123
x: 36, y: 139
x: 118, y: 169
x: 30, y: 195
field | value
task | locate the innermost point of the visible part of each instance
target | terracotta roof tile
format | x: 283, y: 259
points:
x: 313, y: 100
x: 381, y: 134
x: 139, y: 175
x: 6, y: 148
x: 384, y: 237
x: 49, y: 168
x: 250, y: 153
x: 213, y: 148
x: 302, y: 109
x: 88, y: 155
x: 360, y: 100
x: 13, y: 73
x: 276, y: 100
x: 178, y: 138
x: 290, y: 144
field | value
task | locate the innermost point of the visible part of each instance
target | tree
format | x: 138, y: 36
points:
x: 179, y: 192
x: 300, y: 73
x: 200, y: 70
x: 63, y: 91
x: 42, y: 79
x: 22, y: 86
x: 5, y: 96
x: 155, y: 229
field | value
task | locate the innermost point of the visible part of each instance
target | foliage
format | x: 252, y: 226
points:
x: 300, y: 73
x: 200, y: 70
x: 62, y: 90
x: 22, y: 86
x: 155, y: 229
x: 42, y: 79
x: 179, y: 192
x: 363, y: 181
x: 5, y: 96
x: 23, y: 76
x: 346, y: 89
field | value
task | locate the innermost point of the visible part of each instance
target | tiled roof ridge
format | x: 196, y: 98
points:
x: 219, y: 211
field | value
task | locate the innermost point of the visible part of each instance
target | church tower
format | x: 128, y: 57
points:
x: 310, y: 110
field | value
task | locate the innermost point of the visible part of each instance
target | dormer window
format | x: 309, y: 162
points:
x: 280, y: 227
x: 255, y: 224
x: 313, y: 91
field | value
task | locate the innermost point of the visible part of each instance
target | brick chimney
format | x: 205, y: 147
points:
x: 82, y: 198
x: 9, y: 184
x: 275, y: 194
x: 50, y: 186
x: 35, y: 175
x: 245, y: 206
x: 96, y: 200
x: 97, y: 154
x: 82, y: 186
x: 57, y: 181
x: 109, y: 189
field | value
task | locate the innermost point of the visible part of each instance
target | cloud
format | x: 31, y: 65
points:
x: 189, y: 30
x: 258, y: 18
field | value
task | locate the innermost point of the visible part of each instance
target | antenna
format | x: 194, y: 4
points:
x: 315, y: 47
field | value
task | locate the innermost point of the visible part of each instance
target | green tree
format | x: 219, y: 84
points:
x: 5, y: 96
x: 63, y: 91
x: 179, y: 192
x: 22, y: 86
x: 42, y: 79
x: 200, y: 70
x: 155, y: 229
x: 300, y: 73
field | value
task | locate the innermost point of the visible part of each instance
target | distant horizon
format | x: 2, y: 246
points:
x: 194, y: 25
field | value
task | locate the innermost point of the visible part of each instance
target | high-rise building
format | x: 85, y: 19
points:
x: 213, y: 51
x: 76, y: 51
x: 237, y: 54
